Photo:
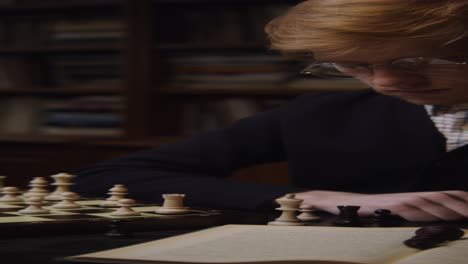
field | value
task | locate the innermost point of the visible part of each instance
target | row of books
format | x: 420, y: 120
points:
x: 102, y: 115
x: 193, y: 24
x: 199, y: 116
x: 86, y: 116
x: 229, y: 69
x: 215, y: 23
x: 83, y: 68
x: 102, y: 29
x: 59, y: 71
x: 24, y: 32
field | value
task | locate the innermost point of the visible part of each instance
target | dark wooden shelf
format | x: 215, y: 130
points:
x: 77, y: 47
x: 57, y: 5
x: 212, y: 46
x: 265, y: 92
x: 93, y: 141
x: 32, y: 138
x: 223, y: 2
x: 58, y: 91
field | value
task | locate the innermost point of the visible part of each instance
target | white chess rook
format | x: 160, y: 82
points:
x: 173, y: 200
x: 173, y: 204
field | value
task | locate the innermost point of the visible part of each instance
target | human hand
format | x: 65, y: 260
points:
x: 412, y: 206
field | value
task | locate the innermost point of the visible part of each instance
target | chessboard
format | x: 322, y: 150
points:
x: 39, y: 211
x: 91, y: 217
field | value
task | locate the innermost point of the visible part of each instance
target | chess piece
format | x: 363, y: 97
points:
x: 385, y: 218
x: 308, y: 215
x: 10, y: 195
x: 125, y: 208
x: 173, y: 204
x: 35, y: 206
x: 68, y: 202
x: 289, y: 206
x: 432, y: 236
x: 382, y: 217
x: 38, y: 187
x: 117, y: 230
x: 117, y: 193
x: 2, y: 182
x: 382, y: 213
x: 62, y: 181
x: 348, y: 216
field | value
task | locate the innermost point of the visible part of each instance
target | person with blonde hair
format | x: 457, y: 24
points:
x: 401, y: 145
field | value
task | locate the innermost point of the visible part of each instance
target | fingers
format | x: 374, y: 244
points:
x: 417, y: 206
x: 420, y: 209
x: 429, y: 206
x: 433, y: 206
x: 458, y: 195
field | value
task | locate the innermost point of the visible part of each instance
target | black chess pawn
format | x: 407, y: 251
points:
x: 348, y: 216
x: 117, y: 229
x: 385, y: 218
x: 432, y: 236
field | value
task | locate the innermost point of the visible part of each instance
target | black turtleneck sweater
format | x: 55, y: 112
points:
x: 357, y: 141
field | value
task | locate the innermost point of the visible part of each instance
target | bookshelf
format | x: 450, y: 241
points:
x: 217, y: 67
x: 114, y: 76
x: 61, y: 68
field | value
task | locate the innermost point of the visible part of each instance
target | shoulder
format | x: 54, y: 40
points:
x: 341, y: 96
x: 336, y: 100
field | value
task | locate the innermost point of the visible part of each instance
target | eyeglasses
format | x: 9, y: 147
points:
x: 349, y: 70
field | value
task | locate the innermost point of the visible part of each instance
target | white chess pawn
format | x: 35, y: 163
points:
x: 308, y: 215
x: 173, y: 204
x: 37, y: 185
x: 2, y: 182
x: 68, y: 201
x: 10, y: 195
x: 35, y: 206
x: 289, y: 208
x: 117, y: 193
x: 125, y: 208
x: 62, y: 181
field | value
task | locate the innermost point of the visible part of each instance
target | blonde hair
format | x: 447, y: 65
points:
x: 341, y: 26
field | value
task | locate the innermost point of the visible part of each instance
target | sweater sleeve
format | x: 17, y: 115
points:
x: 198, y: 166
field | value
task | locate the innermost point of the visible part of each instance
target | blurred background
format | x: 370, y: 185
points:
x: 87, y: 80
